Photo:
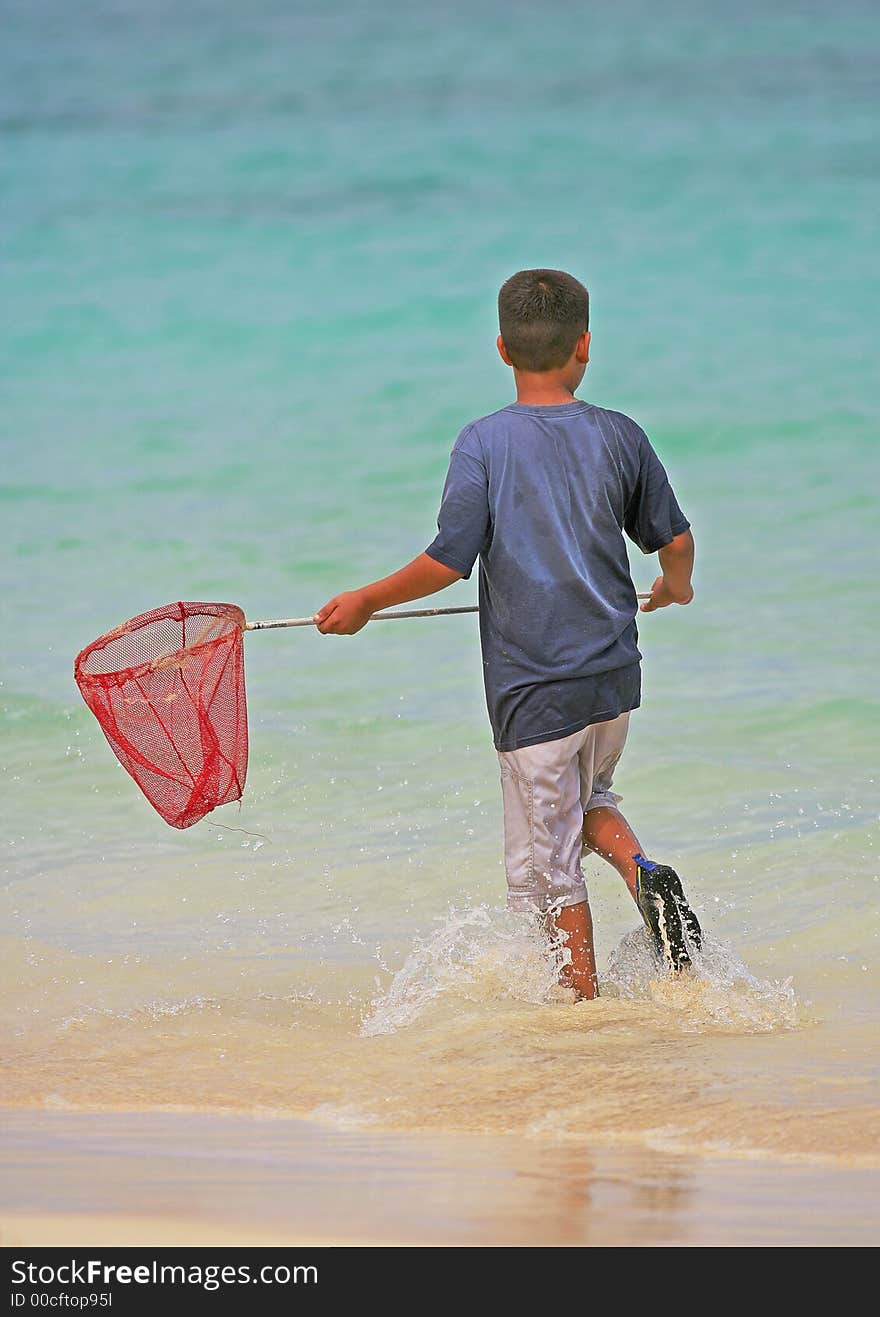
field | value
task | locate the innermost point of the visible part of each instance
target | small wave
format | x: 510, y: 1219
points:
x: 151, y: 1010
x: 343, y: 1116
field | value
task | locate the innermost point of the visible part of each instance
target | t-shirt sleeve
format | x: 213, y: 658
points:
x: 652, y: 518
x: 463, y: 520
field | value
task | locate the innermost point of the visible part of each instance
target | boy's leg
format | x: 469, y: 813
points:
x: 655, y: 888
x: 607, y: 833
x: 605, y: 830
x: 543, y: 822
x: 576, y: 922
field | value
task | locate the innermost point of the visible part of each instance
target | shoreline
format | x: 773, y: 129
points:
x: 199, y: 1179
x: 336, y: 1121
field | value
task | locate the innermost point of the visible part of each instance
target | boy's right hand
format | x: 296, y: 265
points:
x: 662, y: 596
x: 345, y: 613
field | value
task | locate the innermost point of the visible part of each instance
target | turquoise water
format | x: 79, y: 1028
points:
x: 249, y: 266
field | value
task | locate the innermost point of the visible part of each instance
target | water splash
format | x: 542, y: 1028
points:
x: 478, y: 954
x: 720, y: 992
x: 482, y: 955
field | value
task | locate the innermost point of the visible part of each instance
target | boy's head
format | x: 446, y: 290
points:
x: 541, y: 315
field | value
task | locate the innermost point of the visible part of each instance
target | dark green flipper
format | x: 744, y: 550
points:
x: 664, y: 908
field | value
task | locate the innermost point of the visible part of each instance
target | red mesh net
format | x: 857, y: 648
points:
x: 168, y: 690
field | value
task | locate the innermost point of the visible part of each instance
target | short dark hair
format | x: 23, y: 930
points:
x: 541, y: 315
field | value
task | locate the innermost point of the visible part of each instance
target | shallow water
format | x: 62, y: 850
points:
x: 249, y: 268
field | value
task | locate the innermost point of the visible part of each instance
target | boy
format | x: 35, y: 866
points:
x: 542, y: 492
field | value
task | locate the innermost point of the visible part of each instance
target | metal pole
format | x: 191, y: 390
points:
x: 376, y: 617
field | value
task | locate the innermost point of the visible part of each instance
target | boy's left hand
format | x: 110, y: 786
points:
x: 344, y: 614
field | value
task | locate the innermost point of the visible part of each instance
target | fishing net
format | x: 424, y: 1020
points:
x: 167, y: 688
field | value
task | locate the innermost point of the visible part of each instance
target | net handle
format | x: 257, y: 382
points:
x: 376, y: 617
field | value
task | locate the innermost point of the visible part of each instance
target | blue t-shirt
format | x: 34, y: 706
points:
x: 543, y: 496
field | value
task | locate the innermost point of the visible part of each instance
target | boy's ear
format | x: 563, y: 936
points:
x: 582, y: 348
x: 499, y: 343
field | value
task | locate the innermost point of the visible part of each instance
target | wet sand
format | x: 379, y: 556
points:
x: 172, y: 1178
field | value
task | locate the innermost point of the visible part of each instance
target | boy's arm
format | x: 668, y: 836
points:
x: 677, y: 565
x: 346, y: 613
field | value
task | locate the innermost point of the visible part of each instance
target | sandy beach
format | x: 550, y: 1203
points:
x: 182, y: 1178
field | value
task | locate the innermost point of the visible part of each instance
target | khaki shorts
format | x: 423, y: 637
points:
x: 547, y: 789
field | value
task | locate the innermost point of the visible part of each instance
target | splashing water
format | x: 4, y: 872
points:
x: 720, y: 992
x: 484, y: 955
x: 477, y: 954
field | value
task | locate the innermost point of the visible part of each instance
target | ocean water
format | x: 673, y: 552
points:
x: 249, y: 265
